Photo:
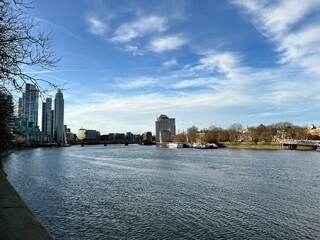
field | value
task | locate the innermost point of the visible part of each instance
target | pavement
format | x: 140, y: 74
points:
x: 17, y: 221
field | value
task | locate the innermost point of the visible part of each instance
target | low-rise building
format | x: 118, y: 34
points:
x: 86, y: 134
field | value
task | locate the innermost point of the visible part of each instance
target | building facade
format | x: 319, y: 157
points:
x: 58, y: 118
x: 85, y: 134
x: 30, y: 104
x: 47, y: 119
x: 165, y: 129
x: 21, y: 106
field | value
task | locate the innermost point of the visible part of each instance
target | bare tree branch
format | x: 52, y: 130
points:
x: 21, y: 46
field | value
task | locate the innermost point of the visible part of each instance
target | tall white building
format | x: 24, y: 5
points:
x: 58, y: 118
x: 47, y: 119
x: 165, y: 129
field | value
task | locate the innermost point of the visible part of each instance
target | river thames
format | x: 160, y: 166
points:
x: 149, y: 192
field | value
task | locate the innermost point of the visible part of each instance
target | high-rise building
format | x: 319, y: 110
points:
x: 21, y: 106
x: 165, y: 129
x: 31, y: 104
x: 47, y: 119
x: 58, y: 119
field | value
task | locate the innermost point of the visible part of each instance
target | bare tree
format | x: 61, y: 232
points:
x: 234, y: 132
x: 23, y: 47
x: 192, y: 133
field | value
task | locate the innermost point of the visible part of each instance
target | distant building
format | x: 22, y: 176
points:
x: 147, y: 138
x: 165, y: 129
x: 129, y: 137
x: 85, y: 134
x: 70, y: 136
x: 21, y: 106
x: 58, y: 118
x: 30, y: 104
x: 112, y: 137
x: 47, y: 119
x: 313, y: 130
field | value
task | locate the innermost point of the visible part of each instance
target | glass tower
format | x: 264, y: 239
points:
x: 47, y: 118
x: 30, y: 102
x: 58, y: 119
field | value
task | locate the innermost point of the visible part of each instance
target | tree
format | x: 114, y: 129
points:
x: 192, y: 134
x: 215, y: 134
x: 180, y: 137
x: 234, y: 132
x: 6, y: 117
x: 23, y: 46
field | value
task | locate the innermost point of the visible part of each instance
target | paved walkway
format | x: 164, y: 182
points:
x: 17, y: 221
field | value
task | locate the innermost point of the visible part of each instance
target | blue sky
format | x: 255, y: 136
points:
x: 208, y: 62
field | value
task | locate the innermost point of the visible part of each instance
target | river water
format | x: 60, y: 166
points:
x: 149, y: 192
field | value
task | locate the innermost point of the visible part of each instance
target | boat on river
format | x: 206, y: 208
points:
x: 205, y: 146
x: 175, y: 145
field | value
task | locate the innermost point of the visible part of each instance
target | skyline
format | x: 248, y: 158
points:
x: 202, y: 63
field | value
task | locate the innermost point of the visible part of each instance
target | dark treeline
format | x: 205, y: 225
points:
x: 236, y: 133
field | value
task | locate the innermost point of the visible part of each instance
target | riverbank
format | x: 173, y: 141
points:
x: 259, y: 146
x: 16, y: 218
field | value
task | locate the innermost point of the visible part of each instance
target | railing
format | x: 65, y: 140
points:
x: 312, y: 143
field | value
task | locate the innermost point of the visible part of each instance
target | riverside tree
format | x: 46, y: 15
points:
x: 23, y: 48
x: 6, y: 118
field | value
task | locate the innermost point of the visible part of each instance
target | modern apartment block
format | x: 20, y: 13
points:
x: 21, y: 106
x: 165, y: 129
x: 30, y: 104
x: 58, y: 118
x: 47, y: 129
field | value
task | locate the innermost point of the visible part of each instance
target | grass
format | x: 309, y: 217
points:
x: 259, y: 146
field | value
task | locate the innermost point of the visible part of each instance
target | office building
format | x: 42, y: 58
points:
x: 21, y: 106
x: 58, y: 118
x: 30, y: 104
x: 47, y: 119
x: 165, y: 129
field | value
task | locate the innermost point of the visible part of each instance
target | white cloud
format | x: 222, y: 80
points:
x: 139, y: 28
x: 170, y: 63
x: 226, y: 63
x: 167, y: 43
x: 97, y: 26
x: 135, y: 50
x: 140, y: 82
x: 137, y: 113
x: 197, y: 82
x: 287, y: 25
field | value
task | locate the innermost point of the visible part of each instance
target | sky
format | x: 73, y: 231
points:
x: 204, y: 63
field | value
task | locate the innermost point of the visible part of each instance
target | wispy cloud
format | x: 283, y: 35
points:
x: 66, y: 31
x: 139, y: 28
x: 167, y: 43
x: 140, y: 82
x: 287, y: 25
x: 170, y: 63
x: 197, y: 82
x: 96, y: 25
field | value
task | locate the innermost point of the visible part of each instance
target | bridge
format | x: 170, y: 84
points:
x: 293, y: 143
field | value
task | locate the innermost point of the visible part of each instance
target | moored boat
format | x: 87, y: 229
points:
x: 205, y: 146
x: 175, y: 145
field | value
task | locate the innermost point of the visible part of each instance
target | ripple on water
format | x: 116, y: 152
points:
x: 137, y: 192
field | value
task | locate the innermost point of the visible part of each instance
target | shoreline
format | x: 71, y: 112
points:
x: 18, y: 221
x: 260, y: 146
